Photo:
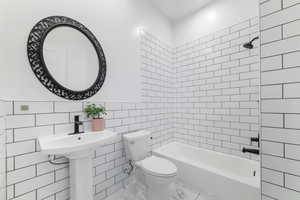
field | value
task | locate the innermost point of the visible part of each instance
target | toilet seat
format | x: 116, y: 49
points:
x: 159, y: 167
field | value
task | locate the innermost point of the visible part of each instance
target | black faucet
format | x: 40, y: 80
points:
x: 255, y: 139
x: 253, y: 151
x: 77, y: 123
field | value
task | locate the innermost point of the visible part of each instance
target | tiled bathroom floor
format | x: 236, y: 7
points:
x: 179, y: 192
x: 184, y: 192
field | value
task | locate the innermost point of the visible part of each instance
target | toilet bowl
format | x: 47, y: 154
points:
x: 159, y: 174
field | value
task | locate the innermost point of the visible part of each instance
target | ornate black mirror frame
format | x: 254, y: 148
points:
x: 35, y: 45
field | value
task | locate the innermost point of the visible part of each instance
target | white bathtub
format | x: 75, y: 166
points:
x: 225, y: 176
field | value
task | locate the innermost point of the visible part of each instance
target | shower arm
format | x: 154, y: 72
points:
x: 256, y: 38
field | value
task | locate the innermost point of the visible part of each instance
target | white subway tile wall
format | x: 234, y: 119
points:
x: 204, y: 93
x: 280, y: 47
x: 217, y: 82
x: 2, y: 151
x: 31, y: 177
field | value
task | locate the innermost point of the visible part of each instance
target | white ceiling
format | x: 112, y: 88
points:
x: 176, y: 9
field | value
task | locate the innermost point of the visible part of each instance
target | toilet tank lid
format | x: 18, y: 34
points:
x: 137, y: 135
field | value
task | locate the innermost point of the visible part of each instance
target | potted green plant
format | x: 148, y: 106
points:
x: 96, y: 113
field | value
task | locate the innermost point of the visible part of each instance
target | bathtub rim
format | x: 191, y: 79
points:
x: 159, y: 151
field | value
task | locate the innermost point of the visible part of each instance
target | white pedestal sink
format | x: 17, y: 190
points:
x: 79, y: 149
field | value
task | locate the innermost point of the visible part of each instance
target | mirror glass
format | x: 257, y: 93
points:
x: 71, y: 58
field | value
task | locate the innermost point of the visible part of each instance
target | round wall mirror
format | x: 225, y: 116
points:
x: 66, y: 58
x: 71, y: 58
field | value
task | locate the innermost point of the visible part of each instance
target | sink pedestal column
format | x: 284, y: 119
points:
x: 79, y: 148
x: 81, y: 177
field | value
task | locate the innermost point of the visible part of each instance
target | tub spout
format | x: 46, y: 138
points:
x: 253, y: 151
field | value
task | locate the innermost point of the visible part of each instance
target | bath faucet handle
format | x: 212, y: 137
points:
x: 255, y: 139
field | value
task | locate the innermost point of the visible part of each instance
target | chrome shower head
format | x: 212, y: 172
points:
x: 249, y: 45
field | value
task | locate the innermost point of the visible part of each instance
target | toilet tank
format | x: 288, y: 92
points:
x: 137, y: 145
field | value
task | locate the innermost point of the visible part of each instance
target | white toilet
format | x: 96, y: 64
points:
x: 159, y: 172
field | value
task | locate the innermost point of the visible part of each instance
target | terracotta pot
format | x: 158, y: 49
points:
x: 98, y: 124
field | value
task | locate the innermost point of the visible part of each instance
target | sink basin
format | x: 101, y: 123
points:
x: 67, y: 145
x: 79, y: 149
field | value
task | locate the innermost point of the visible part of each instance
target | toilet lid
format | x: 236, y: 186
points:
x: 159, y: 166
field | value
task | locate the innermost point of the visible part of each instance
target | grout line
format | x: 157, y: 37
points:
x: 161, y: 83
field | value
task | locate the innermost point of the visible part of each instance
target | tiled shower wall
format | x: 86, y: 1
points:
x: 204, y: 93
x: 280, y: 93
x: 218, y: 90
x: 31, y: 177
x: 2, y: 152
